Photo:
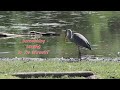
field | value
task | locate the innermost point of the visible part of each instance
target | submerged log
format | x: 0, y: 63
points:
x: 52, y: 34
x: 3, y: 35
x: 44, y: 33
x: 53, y: 74
x: 6, y: 34
x: 48, y: 34
x: 33, y: 33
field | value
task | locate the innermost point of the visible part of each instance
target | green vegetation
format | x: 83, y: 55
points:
x: 103, y: 69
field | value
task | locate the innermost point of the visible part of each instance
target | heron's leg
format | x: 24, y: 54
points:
x: 66, y: 39
x: 79, y: 53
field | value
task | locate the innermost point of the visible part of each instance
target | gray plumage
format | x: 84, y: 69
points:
x: 79, y: 39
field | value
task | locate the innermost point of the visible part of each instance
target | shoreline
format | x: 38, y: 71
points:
x: 115, y: 59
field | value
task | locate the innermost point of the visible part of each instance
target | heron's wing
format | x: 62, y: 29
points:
x: 79, y: 39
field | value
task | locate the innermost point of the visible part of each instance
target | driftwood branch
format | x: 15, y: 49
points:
x: 54, y: 74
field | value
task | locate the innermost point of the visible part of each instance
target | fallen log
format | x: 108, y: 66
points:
x: 53, y: 74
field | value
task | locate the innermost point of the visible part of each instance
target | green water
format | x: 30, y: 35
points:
x: 101, y: 28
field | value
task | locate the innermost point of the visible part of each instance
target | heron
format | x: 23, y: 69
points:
x: 78, y: 39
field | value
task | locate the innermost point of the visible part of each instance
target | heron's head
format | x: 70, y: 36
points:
x: 68, y: 34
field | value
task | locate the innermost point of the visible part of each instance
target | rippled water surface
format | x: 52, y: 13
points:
x: 101, y: 28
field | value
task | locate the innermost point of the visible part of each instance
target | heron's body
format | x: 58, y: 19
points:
x: 78, y: 39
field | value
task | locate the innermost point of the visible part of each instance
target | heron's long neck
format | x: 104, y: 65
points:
x: 70, y: 35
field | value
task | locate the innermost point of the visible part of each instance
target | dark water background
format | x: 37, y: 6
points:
x: 101, y: 28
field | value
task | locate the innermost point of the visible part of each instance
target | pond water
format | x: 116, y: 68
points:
x: 101, y: 28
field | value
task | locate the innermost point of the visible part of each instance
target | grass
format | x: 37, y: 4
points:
x: 103, y: 69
